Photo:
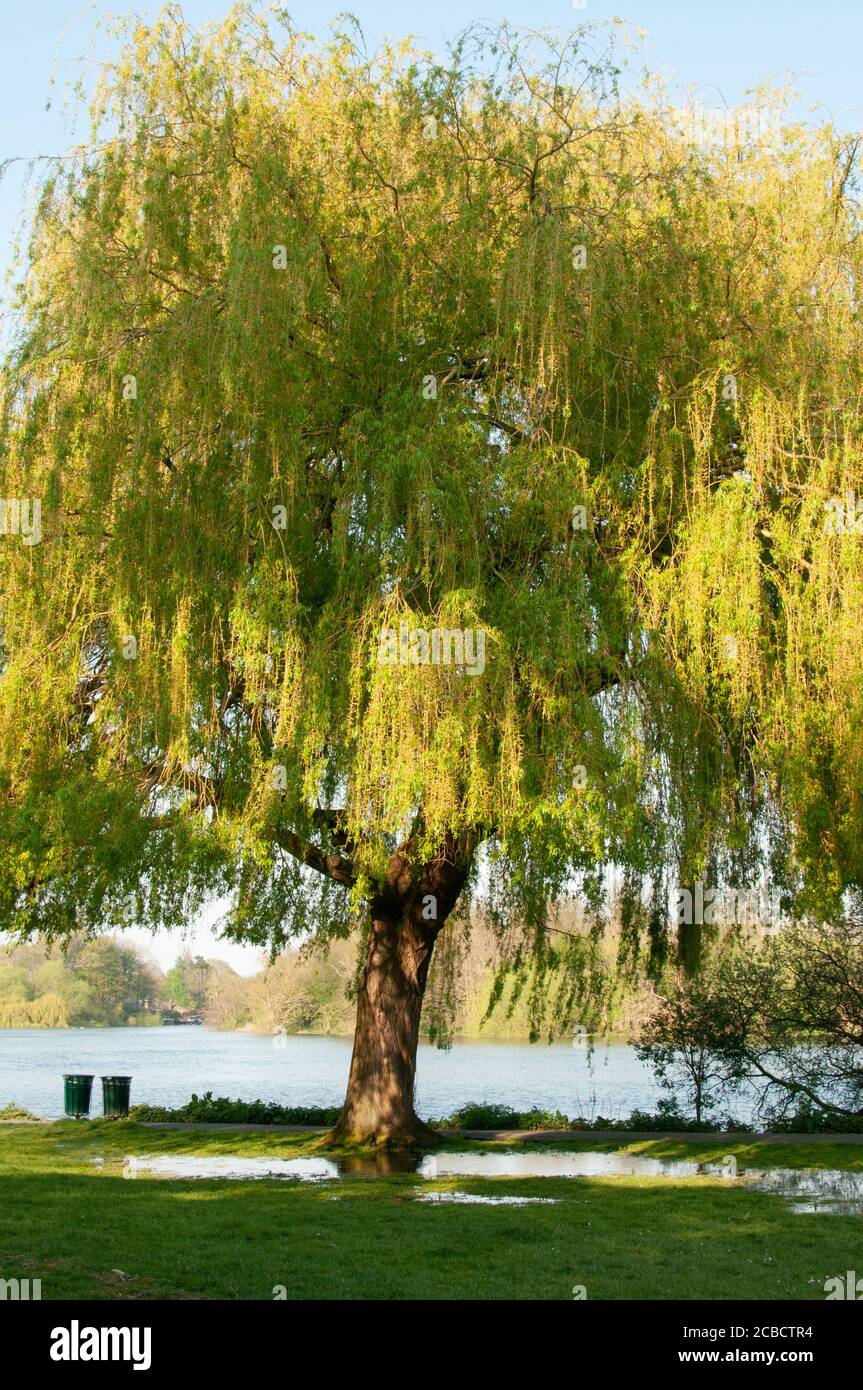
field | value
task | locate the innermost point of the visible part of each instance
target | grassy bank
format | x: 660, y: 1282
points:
x: 88, y: 1233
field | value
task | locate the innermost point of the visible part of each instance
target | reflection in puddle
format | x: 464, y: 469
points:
x: 566, y: 1165
x: 469, y: 1199
x: 380, y: 1165
x: 192, y: 1166
x: 825, y: 1190
x: 819, y: 1208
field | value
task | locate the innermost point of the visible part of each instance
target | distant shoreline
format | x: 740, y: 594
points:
x: 584, y: 1038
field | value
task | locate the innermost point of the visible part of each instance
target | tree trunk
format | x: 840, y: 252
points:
x: 379, y: 1105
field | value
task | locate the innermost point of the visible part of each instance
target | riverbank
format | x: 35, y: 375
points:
x: 72, y: 1220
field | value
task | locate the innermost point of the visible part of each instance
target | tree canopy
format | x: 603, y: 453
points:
x: 315, y: 345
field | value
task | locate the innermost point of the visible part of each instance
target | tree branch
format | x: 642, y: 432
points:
x: 333, y: 866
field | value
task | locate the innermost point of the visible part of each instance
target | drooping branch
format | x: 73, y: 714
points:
x: 333, y: 866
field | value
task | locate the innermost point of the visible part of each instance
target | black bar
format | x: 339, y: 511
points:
x: 215, y: 1338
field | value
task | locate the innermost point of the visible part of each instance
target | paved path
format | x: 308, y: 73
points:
x: 578, y: 1136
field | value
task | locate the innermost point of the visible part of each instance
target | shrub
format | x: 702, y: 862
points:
x: 207, y: 1109
x: 15, y: 1112
x: 481, y: 1115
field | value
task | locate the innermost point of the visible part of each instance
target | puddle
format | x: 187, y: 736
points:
x: 444, y: 1165
x: 809, y: 1190
x: 825, y: 1191
x: 190, y: 1166
x: 567, y: 1165
x: 304, y: 1169
x: 469, y: 1199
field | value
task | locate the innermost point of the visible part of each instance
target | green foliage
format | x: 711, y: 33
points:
x: 679, y: 1042
x: 46, y: 1011
x: 489, y: 1116
x: 14, y: 983
x: 176, y: 989
x: 95, y: 982
x: 15, y: 1112
x: 668, y: 1116
x: 233, y: 298
x: 485, y: 1115
x: 207, y: 1109
x: 807, y: 1118
x: 784, y: 1018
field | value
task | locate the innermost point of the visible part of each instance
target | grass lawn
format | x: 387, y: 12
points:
x: 88, y: 1233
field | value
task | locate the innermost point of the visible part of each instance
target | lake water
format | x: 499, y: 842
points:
x: 168, y: 1064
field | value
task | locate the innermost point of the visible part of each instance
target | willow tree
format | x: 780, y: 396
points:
x: 433, y: 462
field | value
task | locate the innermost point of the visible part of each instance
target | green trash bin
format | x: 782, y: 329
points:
x: 77, y: 1089
x: 115, y: 1096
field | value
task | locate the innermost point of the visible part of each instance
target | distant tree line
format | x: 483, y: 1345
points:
x: 105, y: 981
x: 94, y: 981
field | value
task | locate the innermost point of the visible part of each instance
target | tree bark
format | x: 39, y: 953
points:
x: 407, y: 913
x: 379, y: 1105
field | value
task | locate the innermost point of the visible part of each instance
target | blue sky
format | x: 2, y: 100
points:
x: 722, y: 48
